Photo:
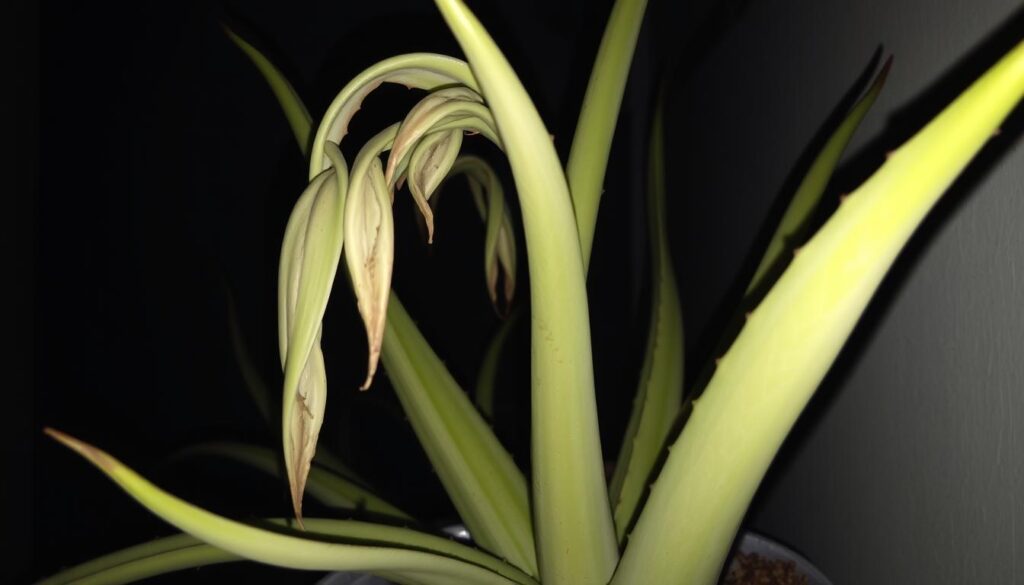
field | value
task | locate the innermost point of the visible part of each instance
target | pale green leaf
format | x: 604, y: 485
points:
x: 416, y: 70
x: 370, y: 254
x: 812, y: 187
x: 660, y: 390
x: 487, y: 489
x: 591, y: 145
x: 401, y: 551
x: 575, y: 536
x: 294, y: 110
x: 791, y: 339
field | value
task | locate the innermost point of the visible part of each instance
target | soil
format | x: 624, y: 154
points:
x: 754, y: 569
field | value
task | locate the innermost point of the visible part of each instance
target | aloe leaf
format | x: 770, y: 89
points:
x: 309, y: 260
x: 160, y: 557
x: 325, y: 486
x: 499, y: 242
x: 487, y: 379
x: 165, y: 555
x: 791, y: 339
x: 416, y: 70
x: 371, y: 242
x: 486, y: 487
x: 428, y: 164
x: 812, y: 187
x: 396, y: 550
x: 660, y: 389
x: 171, y: 554
x: 591, y: 145
x: 575, y: 536
x: 294, y: 110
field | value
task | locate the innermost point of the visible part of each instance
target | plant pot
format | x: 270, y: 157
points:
x: 753, y: 543
x: 750, y: 543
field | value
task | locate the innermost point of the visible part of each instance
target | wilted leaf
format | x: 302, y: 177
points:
x: 448, y: 104
x: 415, y: 70
x: 309, y: 261
x: 428, y: 165
x: 370, y: 231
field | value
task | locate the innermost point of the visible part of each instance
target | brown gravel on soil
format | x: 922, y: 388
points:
x: 753, y: 569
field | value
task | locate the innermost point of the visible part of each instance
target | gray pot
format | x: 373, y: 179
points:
x: 751, y: 542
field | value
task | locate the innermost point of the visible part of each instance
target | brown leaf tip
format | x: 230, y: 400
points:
x: 94, y: 455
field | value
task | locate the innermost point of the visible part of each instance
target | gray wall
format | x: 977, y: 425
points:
x: 909, y: 465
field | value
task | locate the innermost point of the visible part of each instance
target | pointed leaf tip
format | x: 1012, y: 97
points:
x: 370, y: 231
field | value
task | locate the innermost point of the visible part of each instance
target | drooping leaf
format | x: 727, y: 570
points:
x: 443, y: 104
x: 415, y: 70
x: 400, y: 551
x: 370, y: 230
x: 309, y: 260
x: 499, y: 242
x: 428, y: 165
x: 791, y: 339
x: 575, y: 536
x: 459, y: 462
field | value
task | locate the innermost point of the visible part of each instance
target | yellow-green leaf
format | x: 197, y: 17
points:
x: 358, y: 546
x: 791, y: 339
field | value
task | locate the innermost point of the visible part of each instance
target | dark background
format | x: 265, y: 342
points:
x: 165, y: 173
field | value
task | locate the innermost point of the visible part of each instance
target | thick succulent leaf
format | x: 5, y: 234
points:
x: 488, y: 490
x: 400, y: 551
x: 499, y: 242
x: 660, y: 389
x: 370, y: 230
x: 294, y: 110
x: 416, y: 70
x: 325, y: 486
x: 808, y: 194
x: 575, y: 536
x: 791, y: 339
x: 429, y: 163
x: 309, y: 260
x: 599, y: 114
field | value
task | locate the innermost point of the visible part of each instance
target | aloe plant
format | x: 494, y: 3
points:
x: 567, y: 525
